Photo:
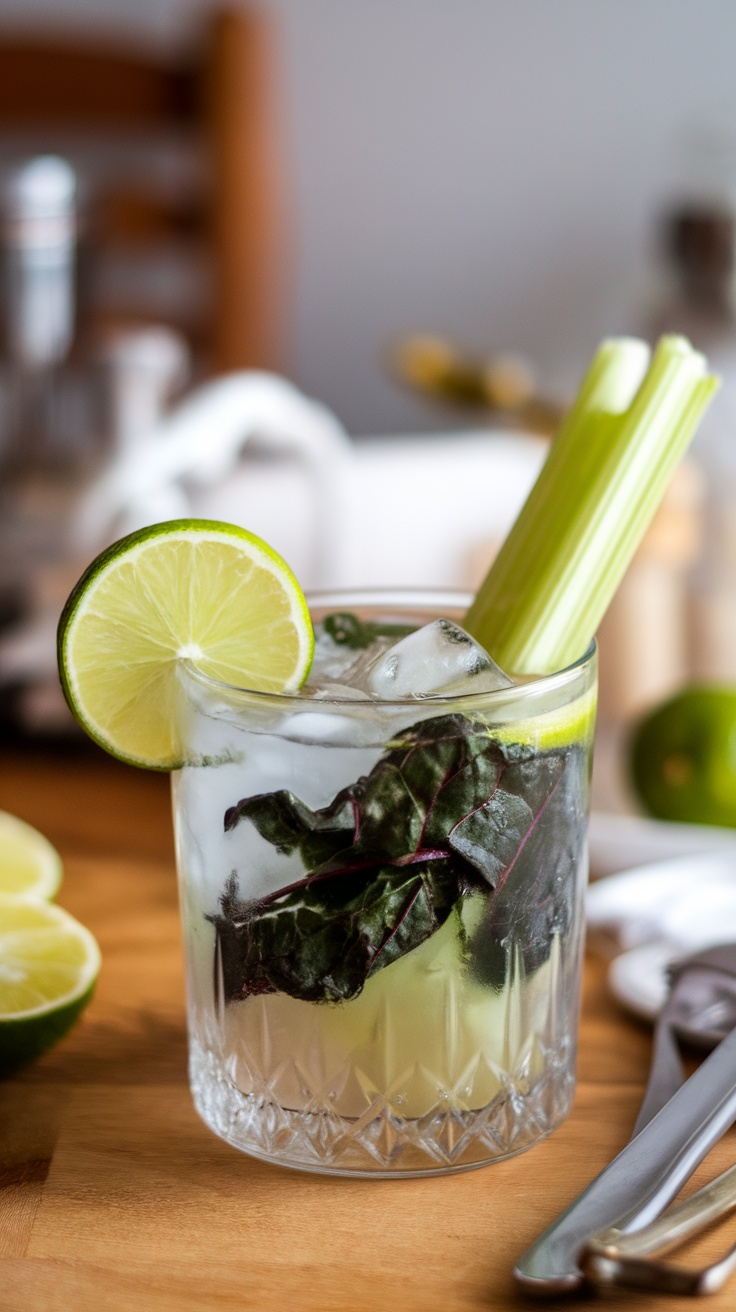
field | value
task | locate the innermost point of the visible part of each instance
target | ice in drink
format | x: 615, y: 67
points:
x: 382, y: 906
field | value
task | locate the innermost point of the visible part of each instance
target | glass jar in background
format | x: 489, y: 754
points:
x: 68, y: 411
x: 382, y: 907
x: 38, y: 225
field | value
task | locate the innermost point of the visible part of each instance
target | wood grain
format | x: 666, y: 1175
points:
x: 114, y: 1195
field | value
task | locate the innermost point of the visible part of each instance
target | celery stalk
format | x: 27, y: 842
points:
x: 595, y: 497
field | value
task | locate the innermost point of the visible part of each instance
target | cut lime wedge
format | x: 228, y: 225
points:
x: 187, y: 589
x: 28, y: 862
x: 48, y: 967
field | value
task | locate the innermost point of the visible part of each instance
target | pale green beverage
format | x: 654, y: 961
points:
x: 382, y: 908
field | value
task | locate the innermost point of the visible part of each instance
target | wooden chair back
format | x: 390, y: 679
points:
x: 229, y: 223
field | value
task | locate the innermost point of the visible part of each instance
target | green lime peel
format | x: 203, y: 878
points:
x: 604, y: 478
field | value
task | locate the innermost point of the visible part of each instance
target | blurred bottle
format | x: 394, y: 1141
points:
x: 37, y: 466
x: 142, y: 371
x: 40, y: 227
x: 644, y: 640
x: 69, y: 408
x: 698, y: 298
x: 39, y: 237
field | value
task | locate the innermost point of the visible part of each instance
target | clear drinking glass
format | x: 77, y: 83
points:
x: 461, y: 1050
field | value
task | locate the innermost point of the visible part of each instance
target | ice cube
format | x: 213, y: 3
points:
x: 329, y: 726
x: 437, y: 659
x: 340, y: 662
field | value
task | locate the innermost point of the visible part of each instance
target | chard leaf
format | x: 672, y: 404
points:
x: 320, y: 939
x: 289, y: 825
x: 446, y: 810
x: 490, y: 837
x: 539, y: 894
x: 347, y: 630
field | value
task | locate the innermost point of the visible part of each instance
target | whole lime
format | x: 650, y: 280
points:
x: 683, y: 757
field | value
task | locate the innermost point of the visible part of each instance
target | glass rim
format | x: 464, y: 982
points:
x: 536, y: 685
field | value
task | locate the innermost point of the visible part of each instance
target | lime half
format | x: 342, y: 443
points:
x: 48, y: 967
x: 28, y: 862
x: 187, y: 589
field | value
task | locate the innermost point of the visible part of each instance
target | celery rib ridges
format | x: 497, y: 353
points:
x: 598, y: 491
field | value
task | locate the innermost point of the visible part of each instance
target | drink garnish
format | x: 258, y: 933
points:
x: 192, y: 589
x: 604, y: 478
x: 446, y: 811
x: 348, y: 630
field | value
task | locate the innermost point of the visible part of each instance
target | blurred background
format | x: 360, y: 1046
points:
x: 335, y: 270
x: 495, y: 173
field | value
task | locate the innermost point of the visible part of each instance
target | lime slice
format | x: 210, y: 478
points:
x: 48, y: 967
x: 191, y: 588
x: 28, y: 862
x: 559, y: 728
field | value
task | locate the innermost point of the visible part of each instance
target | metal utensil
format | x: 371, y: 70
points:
x: 700, y: 1011
x: 641, y: 1181
x: 613, y: 1258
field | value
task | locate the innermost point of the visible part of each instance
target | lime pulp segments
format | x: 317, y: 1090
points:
x: 196, y: 589
x: 28, y: 862
x: 49, y: 964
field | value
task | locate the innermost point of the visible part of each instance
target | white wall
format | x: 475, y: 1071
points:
x: 489, y: 169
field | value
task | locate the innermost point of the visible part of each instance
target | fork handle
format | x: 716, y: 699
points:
x: 646, y: 1175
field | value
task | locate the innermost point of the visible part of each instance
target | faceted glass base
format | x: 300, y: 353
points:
x: 380, y: 1143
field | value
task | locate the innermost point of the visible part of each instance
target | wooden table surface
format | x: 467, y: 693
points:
x: 114, y: 1195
